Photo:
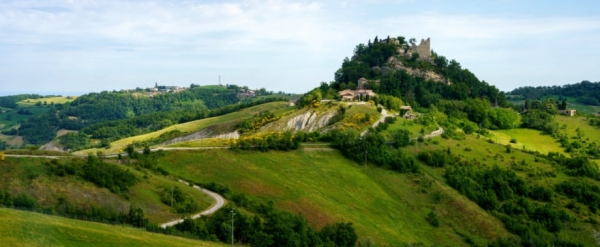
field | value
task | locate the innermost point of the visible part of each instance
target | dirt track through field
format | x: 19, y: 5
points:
x: 219, y: 203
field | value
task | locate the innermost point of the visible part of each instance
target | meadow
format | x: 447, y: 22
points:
x: 325, y: 187
x: 527, y: 139
x: 20, y: 228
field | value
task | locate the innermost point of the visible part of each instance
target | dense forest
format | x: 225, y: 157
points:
x: 585, y: 92
x: 369, y: 61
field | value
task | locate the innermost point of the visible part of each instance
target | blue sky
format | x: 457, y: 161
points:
x: 63, y: 46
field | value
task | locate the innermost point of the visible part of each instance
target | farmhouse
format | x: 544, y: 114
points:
x: 360, y: 92
x: 407, y: 112
x: 569, y: 113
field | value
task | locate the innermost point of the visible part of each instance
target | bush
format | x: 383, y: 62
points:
x: 513, y: 140
x: 433, y: 219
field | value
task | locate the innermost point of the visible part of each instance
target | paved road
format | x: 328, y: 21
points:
x: 219, y: 203
x: 34, y: 156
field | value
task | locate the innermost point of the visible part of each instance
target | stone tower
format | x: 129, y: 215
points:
x: 423, y: 49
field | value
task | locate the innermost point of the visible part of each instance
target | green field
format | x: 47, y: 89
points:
x: 324, y: 187
x: 49, y: 100
x: 591, y: 133
x: 193, y: 126
x: 527, y: 139
x: 21, y: 228
x: 31, y: 176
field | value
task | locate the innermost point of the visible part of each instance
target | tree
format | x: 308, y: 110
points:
x: 401, y: 138
x: 563, y: 105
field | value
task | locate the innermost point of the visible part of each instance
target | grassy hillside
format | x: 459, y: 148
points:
x: 194, y: 126
x: 325, y: 187
x: 21, y: 228
x: 32, y: 177
x: 527, y: 139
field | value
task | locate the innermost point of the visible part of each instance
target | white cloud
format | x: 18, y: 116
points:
x: 260, y: 42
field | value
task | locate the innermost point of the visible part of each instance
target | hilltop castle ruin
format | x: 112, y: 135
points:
x: 423, y: 49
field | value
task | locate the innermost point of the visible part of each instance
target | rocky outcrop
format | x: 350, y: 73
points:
x: 307, y: 121
x: 394, y: 64
x: 53, y: 146
x: 209, y: 132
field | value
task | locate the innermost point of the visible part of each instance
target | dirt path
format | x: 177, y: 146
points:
x: 380, y: 120
x: 435, y: 133
x: 219, y: 203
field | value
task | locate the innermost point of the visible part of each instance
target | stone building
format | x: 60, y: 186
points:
x: 360, y: 92
x: 569, y: 113
x: 423, y: 49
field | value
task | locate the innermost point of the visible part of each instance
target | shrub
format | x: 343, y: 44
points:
x: 433, y: 219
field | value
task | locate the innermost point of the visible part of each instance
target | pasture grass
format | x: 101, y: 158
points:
x: 20, y: 228
x: 325, y: 187
x: 591, y: 133
x: 528, y: 139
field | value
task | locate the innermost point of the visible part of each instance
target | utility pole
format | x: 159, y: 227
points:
x: 232, y: 214
x: 366, y: 159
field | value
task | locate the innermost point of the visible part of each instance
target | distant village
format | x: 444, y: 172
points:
x: 242, y: 92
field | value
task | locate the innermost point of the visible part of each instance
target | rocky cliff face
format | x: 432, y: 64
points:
x: 306, y: 121
x: 210, y: 132
x: 395, y: 64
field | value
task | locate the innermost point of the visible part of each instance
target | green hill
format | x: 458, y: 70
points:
x: 325, y: 187
x: 20, y: 228
x: 35, y: 178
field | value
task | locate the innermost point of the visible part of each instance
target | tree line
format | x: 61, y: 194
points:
x: 585, y: 92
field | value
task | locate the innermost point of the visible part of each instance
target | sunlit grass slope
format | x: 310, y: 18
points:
x: 21, y: 228
x: 325, y: 187
x: 527, y: 139
x: 194, y: 126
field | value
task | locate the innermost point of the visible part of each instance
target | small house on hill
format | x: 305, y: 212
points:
x: 406, y: 112
x: 569, y: 113
x: 360, y: 92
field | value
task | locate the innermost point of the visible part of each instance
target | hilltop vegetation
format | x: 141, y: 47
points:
x: 371, y: 61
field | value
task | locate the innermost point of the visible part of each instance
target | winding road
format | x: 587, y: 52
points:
x: 219, y: 203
